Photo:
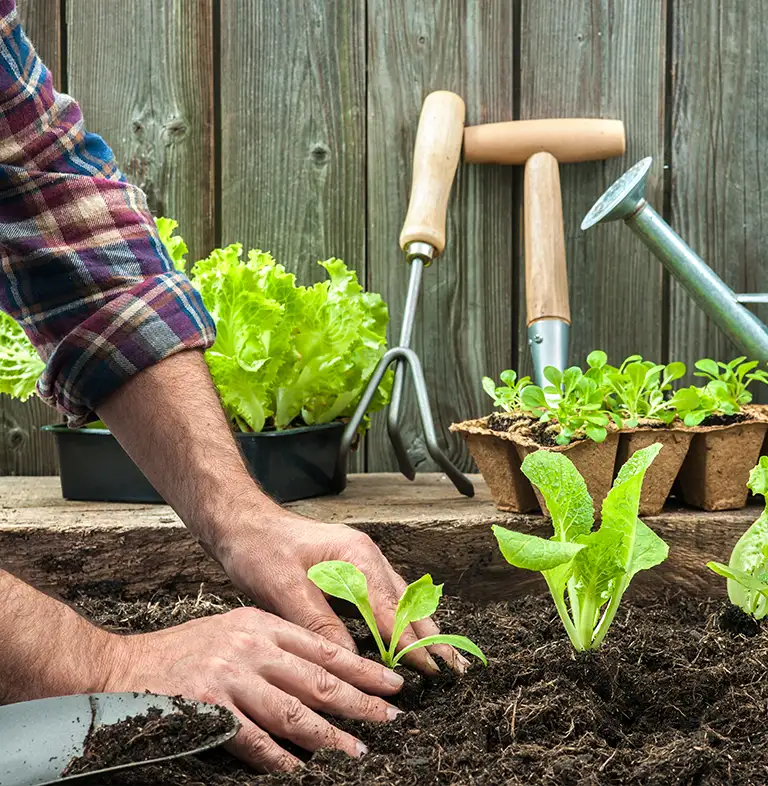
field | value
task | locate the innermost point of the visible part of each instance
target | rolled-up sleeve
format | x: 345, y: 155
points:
x: 82, y: 268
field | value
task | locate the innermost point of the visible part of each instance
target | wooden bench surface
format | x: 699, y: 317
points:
x: 422, y: 526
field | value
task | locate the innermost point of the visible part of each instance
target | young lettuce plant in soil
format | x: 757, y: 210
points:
x: 747, y: 568
x: 420, y: 600
x: 587, y: 571
x: 724, y: 395
x: 508, y: 395
x: 573, y: 401
x: 638, y: 389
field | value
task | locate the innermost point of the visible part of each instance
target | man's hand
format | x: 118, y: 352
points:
x: 169, y: 420
x: 268, y: 557
x: 272, y: 674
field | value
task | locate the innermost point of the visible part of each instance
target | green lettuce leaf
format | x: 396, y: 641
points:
x: 289, y: 353
x: 20, y: 365
x: 174, y: 245
x: 564, y: 491
x: 533, y: 553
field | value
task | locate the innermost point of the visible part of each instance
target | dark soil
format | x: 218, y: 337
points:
x: 544, y: 434
x: 725, y: 420
x: 149, y: 736
x: 671, y: 699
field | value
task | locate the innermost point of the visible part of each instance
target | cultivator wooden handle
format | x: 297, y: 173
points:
x: 546, y: 276
x: 567, y: 139
x: 435, y: 158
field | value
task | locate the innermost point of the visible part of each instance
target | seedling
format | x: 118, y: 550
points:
x: 506, y: 396
x: 637, y: 389
x: 747, y: 569
x: 420, y: 600
x: 725, y: 393
x: 573, y: 400
x: 587, y: 571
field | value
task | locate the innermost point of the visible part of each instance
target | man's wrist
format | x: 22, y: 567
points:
x: 232, y: 515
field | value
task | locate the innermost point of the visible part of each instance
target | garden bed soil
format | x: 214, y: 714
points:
x: 675, y: 697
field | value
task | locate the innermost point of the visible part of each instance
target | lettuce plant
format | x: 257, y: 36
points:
x: 725, y: 393
x: 20, y: 365
x: 637, y: 390
x: 506, y: 396
x: 573, y: 401
x: 747, y: 568
x: 420, y: 600
x: 587, y: 571
x: 286, y: 354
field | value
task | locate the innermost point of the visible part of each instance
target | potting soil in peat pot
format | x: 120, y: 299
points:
x: 677, y: 696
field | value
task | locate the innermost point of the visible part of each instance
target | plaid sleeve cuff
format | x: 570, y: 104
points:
x: 158, y: 317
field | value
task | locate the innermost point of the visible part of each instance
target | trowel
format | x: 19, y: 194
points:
x: 38, y: 739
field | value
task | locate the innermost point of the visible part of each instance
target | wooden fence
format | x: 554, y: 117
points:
x: 289, y: 125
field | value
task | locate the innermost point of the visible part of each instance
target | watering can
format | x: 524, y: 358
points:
x: 625, y: 200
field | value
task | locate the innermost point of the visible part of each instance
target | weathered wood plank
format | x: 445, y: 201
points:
x: 41, y: 20
x: 293, y: 130
x: 293, y: 133
x: 143, y: 74
x: 719, y: 161
x: 421, y: 526
x: 601, y: 59
x: 463, y: 328
x: 24, y: 450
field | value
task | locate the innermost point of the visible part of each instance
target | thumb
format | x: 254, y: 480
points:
x: 311, y: 611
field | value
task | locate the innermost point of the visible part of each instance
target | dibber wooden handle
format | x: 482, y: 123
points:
x: 568, y: 139
x: 435, y: 158
x: 546, y: 275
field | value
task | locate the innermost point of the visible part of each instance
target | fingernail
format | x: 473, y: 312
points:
x: 361, y: 749
x: 393, y: 679
x: 460, y: 663
x: 393, y: 712
x: 431, y: 664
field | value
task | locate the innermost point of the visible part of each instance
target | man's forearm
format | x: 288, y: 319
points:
x: 46, y: 648
x: 169, y: 419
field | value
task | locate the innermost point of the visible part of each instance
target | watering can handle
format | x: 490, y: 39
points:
x: 546, y: 276
x: 435, y: 158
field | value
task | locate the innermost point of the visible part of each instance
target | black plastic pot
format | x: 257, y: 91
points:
x: 289, y: 465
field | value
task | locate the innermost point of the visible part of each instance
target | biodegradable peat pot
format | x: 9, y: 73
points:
x: 715, y: 472
x: 662, y: 473
x: 500, y: 465
x: 497, y: 459
x: 289, y: 465
x: 594, y: 461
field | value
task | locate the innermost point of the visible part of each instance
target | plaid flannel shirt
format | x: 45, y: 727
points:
x: 82, y: 268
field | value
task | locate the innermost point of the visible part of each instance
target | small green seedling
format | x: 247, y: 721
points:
x: 587, y: 571
x: 420, y: 600
x: 573, y: 400
x: 747, y: 569
x: 725, y: 393
x: 637, y: 390
x: 506, y: 396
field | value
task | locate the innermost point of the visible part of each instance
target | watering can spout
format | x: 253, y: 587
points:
x: 625, y: 200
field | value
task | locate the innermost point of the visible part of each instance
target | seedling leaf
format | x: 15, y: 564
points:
x: 419, y: 600
x: 459, y: 642
x: 533, y: 553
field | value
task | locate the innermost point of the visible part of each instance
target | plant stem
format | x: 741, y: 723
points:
x: 562, y: 611
x: 610, y: 613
